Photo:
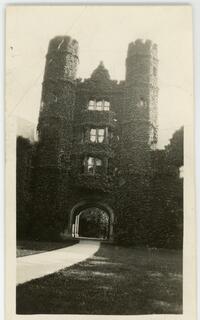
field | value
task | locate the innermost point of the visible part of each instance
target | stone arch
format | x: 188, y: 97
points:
x: 77, y: 208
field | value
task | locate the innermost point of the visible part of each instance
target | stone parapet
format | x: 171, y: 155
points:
x: 93, y: 149
x: 99, y: 182
x: 141, y: 47
x: 97, y: 118
x: 61, y: 59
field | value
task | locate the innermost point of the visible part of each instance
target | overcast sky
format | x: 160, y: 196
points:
x: 103, y: 33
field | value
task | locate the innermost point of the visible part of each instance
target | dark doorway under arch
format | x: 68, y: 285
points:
x: 91, y: 219
x: 91, y: 223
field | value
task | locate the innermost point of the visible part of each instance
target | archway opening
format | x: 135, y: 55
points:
x: 91, y: 222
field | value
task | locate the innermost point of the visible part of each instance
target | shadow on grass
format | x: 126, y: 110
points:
x: 116, y: 280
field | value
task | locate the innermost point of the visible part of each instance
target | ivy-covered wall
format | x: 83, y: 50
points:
x: 141, y: 194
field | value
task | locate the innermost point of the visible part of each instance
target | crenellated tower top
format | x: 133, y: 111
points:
x: 61, y: 59
x: 141, y: 47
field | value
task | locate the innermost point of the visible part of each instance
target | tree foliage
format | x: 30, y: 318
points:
x: 174, y: 150
x: 94, y: 222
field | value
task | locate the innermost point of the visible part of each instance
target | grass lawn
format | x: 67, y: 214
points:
x: 26, y: 248
x: 116, y: 280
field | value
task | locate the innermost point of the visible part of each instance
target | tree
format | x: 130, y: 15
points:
x: 23, y: 173
x: 174, y: 150
x: 166, y: 218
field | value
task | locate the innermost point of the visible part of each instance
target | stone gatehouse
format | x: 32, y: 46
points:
x: 95, y: 140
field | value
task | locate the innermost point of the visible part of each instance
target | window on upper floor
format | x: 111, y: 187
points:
x: 42, y: 104
x: 97, y: 135
x: 181, y: 172
x: 92, y: 105
x: 141, y: 102
x: 99, y: 105
x: 94, y: 165
x: 106, y: 105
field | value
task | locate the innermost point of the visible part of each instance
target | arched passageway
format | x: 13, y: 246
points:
x: 91, y: 223
x: 91, y: 220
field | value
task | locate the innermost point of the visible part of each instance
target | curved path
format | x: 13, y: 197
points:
x: 42, y: 264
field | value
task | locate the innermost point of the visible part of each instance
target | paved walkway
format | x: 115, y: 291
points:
x: 42, y: 264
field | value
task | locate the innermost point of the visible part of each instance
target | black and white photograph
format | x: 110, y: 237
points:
x: 99, y: 109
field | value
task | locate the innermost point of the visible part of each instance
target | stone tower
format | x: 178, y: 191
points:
x: 138, y: 138
x: 57, y: 102
x: 140, y: 106
x: 55, y: 130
